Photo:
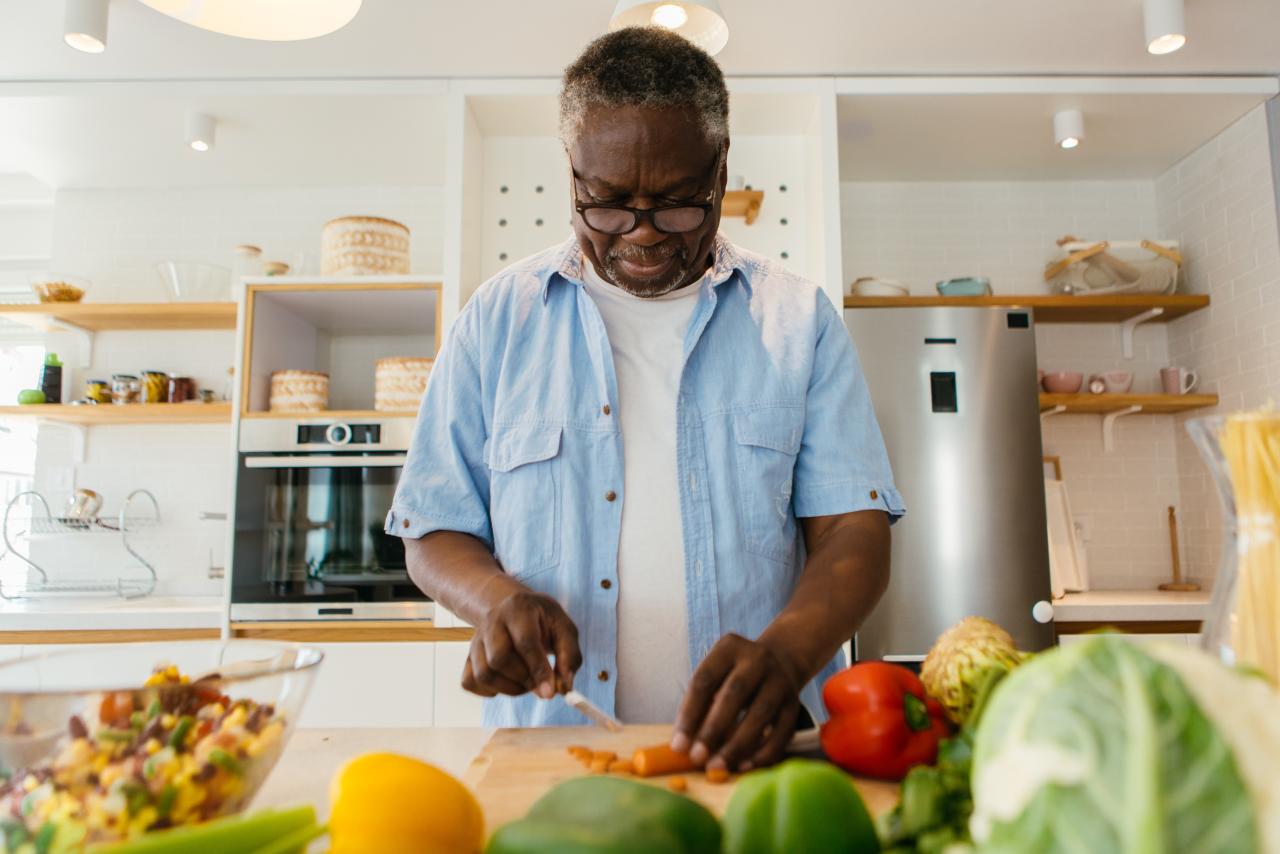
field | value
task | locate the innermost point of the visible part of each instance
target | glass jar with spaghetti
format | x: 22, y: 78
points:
x: 1243, y: 452
x: 155, y: 387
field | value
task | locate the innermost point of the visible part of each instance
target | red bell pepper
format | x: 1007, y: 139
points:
x: 882, y: 721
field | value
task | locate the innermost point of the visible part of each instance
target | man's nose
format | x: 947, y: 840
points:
x: 644, y: 234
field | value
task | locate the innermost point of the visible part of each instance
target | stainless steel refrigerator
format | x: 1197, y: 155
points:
x: 955, y: 393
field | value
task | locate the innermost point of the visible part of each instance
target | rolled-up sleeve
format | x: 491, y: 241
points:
x: 445, y: 482
x: 842, y: 466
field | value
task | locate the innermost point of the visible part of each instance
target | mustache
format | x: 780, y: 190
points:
x: 642, y: 255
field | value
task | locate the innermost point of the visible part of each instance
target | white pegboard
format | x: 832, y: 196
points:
x: 526, y: 205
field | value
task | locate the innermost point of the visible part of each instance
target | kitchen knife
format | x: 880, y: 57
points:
x: 593, y: 712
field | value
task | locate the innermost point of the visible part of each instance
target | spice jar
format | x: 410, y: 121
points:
x: 155, y: 387
x: 98, y: 391
x: 124, y: 388
x: 181, y: 389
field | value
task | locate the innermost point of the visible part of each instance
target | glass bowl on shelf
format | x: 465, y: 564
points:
x: 195, y: 281
x: 105, y: 743
x: 58, y: 287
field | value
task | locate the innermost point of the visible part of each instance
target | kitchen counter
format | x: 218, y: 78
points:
x: 1131, y: 606
x: 102, y: 614
x: 313, y: 755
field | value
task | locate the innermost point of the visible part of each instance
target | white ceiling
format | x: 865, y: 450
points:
x: 407, y: 38
x: 1010, y: 137
x: 137, y: 140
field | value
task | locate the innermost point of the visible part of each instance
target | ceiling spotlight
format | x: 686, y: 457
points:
x: 201, y: 128
x: 84, y: 25
x: 265, y: 20
x: 1166, y: 25
x: 1068, y: 128
x: 700, y: 21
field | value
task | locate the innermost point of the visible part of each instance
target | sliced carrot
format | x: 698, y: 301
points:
x: 717, y: 775
x: 606, y: 755
x: 599, y: 766
x: 660, y: 759
x: 678, y: 784
x: 621, y: 766
x: 578, y: 749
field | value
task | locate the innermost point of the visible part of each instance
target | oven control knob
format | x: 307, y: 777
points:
x: 338, y: 434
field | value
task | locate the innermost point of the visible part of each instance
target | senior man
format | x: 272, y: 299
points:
x: 646, y: 465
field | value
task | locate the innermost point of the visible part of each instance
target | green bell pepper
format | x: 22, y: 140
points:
x: 801, y: 805
x: 610, y: 815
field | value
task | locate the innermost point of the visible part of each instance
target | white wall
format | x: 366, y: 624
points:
x: 115, y: 237
x: 921, y: 233
x: 1221, y: 203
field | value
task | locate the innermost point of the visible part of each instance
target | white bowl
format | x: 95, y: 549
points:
x: 193, y: 281
x: 873, y: 287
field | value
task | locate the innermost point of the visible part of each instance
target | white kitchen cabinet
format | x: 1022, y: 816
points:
x: 372, y: 685
x: 454, y: 707
x: 10, y: 651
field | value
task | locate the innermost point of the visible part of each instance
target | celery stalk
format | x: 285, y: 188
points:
x: 231, y: 835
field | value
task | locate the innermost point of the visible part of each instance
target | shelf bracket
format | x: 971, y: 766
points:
x: 1057, y: 410
x: 1127, y: 327
x: 1109, y: 426
x: 84, y: 340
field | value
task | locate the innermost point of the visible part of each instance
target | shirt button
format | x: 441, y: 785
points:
x: 603, y: 675
x: 610, y: 495
x: 405, y: 524
x: 606, y: 583
x: 874, y: 495
x: 605, y: 409
x: 697, y: 568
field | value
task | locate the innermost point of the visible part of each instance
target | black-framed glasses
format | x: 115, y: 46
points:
x: 669, y: 219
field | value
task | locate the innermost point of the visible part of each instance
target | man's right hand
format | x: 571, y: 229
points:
x: 510, y: 648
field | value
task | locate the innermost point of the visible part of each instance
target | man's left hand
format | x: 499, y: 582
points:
x: 741, y: 707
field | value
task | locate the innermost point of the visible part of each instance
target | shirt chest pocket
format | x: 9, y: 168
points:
x: 524, y: 497
x: 766, y: 443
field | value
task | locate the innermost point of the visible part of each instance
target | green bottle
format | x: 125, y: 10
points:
x: 51, y: 379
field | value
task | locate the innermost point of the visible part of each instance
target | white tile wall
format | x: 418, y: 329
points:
x: 1220, y: 203
x: 115, y: 237
x: 920, y: 233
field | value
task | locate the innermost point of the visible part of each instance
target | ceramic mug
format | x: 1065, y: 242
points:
x: 1178, y: 380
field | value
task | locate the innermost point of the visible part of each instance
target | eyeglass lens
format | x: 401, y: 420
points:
x: 666, y: 220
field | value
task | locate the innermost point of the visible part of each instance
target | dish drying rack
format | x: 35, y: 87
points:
x: 126, y: 586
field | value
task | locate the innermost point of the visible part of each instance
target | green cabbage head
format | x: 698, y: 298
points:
x: 1106, y: 746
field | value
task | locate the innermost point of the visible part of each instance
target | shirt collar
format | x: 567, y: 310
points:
x: 568, y: 264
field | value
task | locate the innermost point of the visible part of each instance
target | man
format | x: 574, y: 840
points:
x: 645, y: 453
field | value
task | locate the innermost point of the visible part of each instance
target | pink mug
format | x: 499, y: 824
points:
x: 1178, y: 380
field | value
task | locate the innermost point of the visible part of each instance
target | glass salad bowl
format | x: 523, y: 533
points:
x: 107, y: 743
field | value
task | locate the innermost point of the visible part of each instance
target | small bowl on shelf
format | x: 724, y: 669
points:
x: 194, y: 281
x: 1118, y: 382
x: 59, y: 287
x: 1062, y: 382
x: 969, y: 286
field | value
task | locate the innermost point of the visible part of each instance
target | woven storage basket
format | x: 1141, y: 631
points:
x: 364, y: 246
x: 399, y: 383
x: 299, y: 391
x: 1115, y: 267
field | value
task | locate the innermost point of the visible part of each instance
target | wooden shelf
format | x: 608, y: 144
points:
x: 138, y: 413
x: 743, y: 203
x: 349, y: 631
x: 1055, y: 308
x: 1102, y: 404
x: 111, y: 317
x: 329, y: 414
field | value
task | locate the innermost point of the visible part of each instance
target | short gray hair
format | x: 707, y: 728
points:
x: 645, y: 67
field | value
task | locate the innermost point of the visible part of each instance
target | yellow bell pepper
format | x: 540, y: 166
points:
x: 384, y: 803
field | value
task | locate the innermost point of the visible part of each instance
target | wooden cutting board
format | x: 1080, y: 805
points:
x: 517, y: 766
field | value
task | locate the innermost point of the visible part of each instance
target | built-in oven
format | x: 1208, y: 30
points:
x: 312, y: 496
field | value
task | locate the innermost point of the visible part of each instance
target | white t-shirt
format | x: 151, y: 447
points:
x: 647, y: 339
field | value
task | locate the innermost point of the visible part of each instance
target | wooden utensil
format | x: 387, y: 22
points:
x: 1177, y: 585
x: 518, y: 766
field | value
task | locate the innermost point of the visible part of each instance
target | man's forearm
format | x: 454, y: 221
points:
x: 458, y: 571
x: 846, y: 573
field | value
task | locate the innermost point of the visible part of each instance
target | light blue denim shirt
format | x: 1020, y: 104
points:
x: 517, y: 443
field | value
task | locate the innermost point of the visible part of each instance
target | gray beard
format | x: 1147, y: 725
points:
x: 652, y: 289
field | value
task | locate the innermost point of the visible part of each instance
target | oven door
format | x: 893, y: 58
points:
x: 309, y: 537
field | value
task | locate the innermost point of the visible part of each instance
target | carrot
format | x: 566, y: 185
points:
x: 576, y: 750
x: 717, y: 775
x: 606, y: 755
x: 599, y: 766
x: 660, y: 759
x: 678, y: 784
x: 621, y: 766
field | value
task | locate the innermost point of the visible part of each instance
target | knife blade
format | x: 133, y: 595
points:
x: 593, y: 712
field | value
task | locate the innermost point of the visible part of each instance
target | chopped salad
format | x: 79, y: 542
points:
x: 174, y: 752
